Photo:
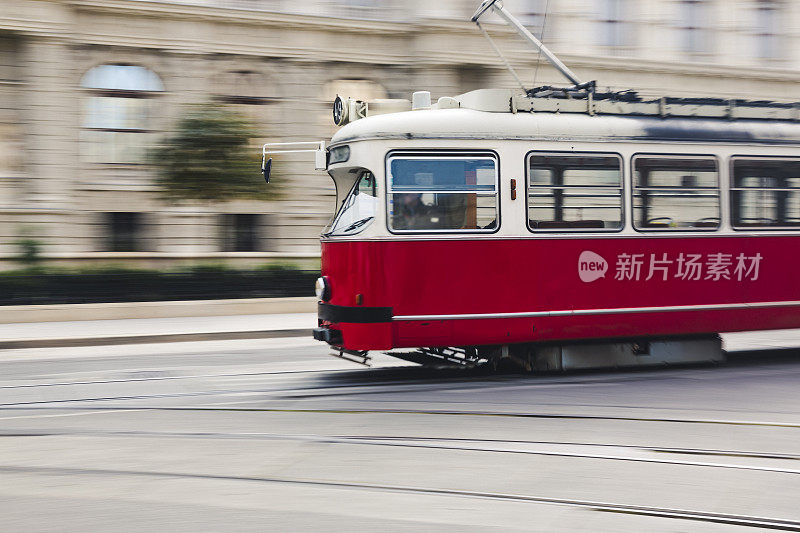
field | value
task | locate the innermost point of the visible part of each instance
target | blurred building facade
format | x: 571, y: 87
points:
x: 87, y: 86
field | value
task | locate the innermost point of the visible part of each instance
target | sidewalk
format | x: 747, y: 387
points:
x: 190, y: 321
x: 13, y: 314
x: 153, y: 330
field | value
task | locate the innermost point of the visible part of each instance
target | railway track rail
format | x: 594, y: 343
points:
x: 779, y: 524
x: 545, y: 448
x: 581, y: 441
x: 47, y: 406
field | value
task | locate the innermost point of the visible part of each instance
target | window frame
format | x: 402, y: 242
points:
x: 767, y: 38
x: 614, y: 25
x: 671, y: 155
x: 91, y: 93
x: 732, y: 188
x: 230, y: 233
x: 439, y: 154
x: 622, y: 187
x: 695, y: 31
x: 124, y: 236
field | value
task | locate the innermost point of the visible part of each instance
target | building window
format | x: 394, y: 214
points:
x: 675, y: 193
x: 766, y: 30
x: 693, y: 26
x: 241, y: 232
x: 124, y: 232
x: 243, y: 87
x: 765, y: 193
x: 118, y: 114
x: 442, y: 193
x: 613, y: 23
x: 574, y: 192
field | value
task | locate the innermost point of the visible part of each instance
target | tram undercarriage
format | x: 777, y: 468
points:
x: 561, y: 357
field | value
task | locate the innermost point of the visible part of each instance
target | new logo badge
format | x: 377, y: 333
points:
x: 591, y: 266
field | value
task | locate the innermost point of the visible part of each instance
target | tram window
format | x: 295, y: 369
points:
x: 675, y: 193
x: 575, y: 192
x: 358, y: 208
x: 765, y: 193
x: 444, y: 193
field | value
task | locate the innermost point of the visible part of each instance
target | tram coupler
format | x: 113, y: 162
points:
x: 354, y: 356
x: 331, y: 336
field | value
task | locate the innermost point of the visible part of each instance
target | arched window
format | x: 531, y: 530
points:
x: 118, y: 114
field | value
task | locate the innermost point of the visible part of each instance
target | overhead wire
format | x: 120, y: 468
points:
x: 539, y: 56
x: 502, y: 57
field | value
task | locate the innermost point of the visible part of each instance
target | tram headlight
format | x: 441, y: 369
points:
x: 323, y: 289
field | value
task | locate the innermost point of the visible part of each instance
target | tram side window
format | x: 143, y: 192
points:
x: 443, y: 193
x: 765, y: 193
x: 675, y: 193
x: 574, y: 192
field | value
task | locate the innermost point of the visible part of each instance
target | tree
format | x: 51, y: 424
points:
x: 209, y: 158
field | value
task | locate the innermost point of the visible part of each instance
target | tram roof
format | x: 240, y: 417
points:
x: 471, y: 124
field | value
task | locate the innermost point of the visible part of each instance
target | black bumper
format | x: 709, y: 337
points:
x: 353, y: 315
x: 331, y: 336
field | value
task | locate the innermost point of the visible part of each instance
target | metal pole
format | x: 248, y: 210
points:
x: 498, y: 8
x: 502, y: 57
x: 486, y: 4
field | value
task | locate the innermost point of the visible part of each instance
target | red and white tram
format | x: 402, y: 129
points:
x: 561, y: 232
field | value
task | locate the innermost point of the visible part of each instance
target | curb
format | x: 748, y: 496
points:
x: 14, y: 314
x: 148, y: 339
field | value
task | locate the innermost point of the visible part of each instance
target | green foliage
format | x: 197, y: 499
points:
x: 112, y: 283
x: 209, y: 268
x: 280, y: 266
x: 117, y: 269
x: 209, y: 158
x: 29, y: 252
x: 105, y: 269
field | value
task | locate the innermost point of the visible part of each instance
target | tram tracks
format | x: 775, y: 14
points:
x: 286, y: 381
x: 772, y: 523
x: 707, y: 460
x: 160, y: 378
x: 54, y: 406
x: 277, y: 394
x: 448, y: 379
x: 609, y: 452
x: 303, y: 384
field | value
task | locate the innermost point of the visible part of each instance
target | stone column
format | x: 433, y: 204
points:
x: 49, y: 116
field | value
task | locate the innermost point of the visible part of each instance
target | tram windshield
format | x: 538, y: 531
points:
x: 442, y: 193
x: 358, y: 208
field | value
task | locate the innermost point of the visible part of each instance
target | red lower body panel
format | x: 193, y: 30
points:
x: 573, y: 289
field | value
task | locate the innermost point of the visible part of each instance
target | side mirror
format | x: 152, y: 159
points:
x: 266, y: 169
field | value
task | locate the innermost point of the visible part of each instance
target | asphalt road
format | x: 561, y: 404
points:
x: 275, y: 435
